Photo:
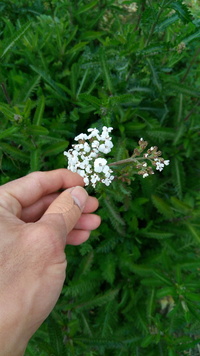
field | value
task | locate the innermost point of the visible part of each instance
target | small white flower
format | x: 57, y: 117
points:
x: 107, y: 181
x: 166, y: 162
x: 95, y: 144
x: 86, y: 159
x: 81, y: 172
x: 145, y: 175
x: 86, y: 147
x: 93, y: 133
x: 86, y: 180
x: 82, y: 136
x: 94, y: 179
x: 88, y: 169
x: 99, y: 164
x: 159, y: 165
x: 106, y: 147
x: 105, y: 133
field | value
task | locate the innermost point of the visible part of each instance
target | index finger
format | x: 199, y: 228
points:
x: 25, y: 191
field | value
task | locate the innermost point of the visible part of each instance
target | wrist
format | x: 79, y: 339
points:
x: 12, y: 340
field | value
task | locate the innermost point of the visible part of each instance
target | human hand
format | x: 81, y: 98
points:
x: 36, y: 222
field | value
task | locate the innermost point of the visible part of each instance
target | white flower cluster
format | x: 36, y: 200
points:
x: 160, y: 163
x: 85, y: 156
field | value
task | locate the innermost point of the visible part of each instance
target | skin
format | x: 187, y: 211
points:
x: 36, y: 223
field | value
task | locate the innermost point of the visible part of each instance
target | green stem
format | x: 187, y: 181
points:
x: 125, y: 161
x: 154, y: 24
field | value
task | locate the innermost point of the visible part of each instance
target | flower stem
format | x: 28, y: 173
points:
x: 124, y: 161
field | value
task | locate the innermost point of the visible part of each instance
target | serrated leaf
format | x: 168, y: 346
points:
x: 105, y: 71
x: 181, y: 10
x: 180, y: 206
x: 184, y: 90
x: 18, y: 34
x: 14, y: 152
x: 178, y: 176
x: 50, y: 81
x: 39, y: 111
x: 55, y: 148
x: 33, y: 85
x: 109, y: 343
x: 7, y: 111
x: 191, y: 37
x: 77, y: 47
x: 159, y: 235
x: 35, y: 160
x: 37, y: 130
x: 91, y: 35
x: 98, y: 300
x: 166, y: 23
x: 155, y: 77
x: 91, y: 99
x: 8, y: 132
x: 55, y: 336
x: 194, y: 232
x: 161, y: 134
x: 162, y: 206
x: 87, y: 7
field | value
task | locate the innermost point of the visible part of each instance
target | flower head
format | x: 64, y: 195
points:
x: 86, y: 159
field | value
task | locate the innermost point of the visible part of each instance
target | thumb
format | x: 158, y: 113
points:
x: 69, y: 204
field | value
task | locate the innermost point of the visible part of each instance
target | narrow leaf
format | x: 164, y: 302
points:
x: 182, y: 11
x: 162, y: 206
x: 56, y: 148
x: 87, y: 7
x: 39, y: 111
x: 15, y: 38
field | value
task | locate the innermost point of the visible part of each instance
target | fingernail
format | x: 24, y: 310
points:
x: 79, y: 195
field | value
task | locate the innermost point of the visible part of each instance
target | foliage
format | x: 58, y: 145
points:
x: 133, y: 288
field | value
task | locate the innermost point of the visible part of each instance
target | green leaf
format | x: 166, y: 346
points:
x: 113, y: 212
x: 180, y: 206
x: 108, y: 343
x: 7, y: 111
x: 162, y: 206
x: 191, y: 37
x: 32, y: 87
x: 50, y: 81
x: 55, y: 336
x: 181, y: 10
x: 55, y: 148
x: 106, y: 73
x: 18, y: 34
x: 77, y: 47
x: 162, y: 278
x: 87, y: 7
x: 166, y: 23
x: 195, y: 233
x: 35, y: 160
x: 97, y: 300
x: 155, y: 77
x: 178, y: 176
x: 91, y: 100
x: 8, y: 132
x: 159, y: 235
x: 184, y: 90
x: 161, y: 134
x: 37, y: 130
x: 39, y: 111
x: 14, y: 152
